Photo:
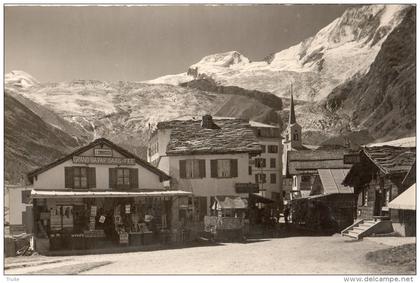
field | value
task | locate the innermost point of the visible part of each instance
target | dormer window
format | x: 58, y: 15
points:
x: 295, y: 136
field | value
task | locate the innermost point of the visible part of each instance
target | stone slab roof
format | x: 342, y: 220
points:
x: 231, y: 136
x: 309, y: 161
x: 391, y: 159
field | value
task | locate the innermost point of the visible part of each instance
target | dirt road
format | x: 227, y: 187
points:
x: 294, y: 255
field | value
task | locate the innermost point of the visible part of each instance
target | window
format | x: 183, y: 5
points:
x: 273, y: 149
x: 306, y: 179
x: 123, y: 176
x: 260, y: 162
x: 224, y: 168
x: 272, y: 163
x: 263, y: 148
x: 249, y: 170
x: 80, y: 178
x: 260, y: 178
x: 295, y: 136
x: 273, y: 178
x: 192, y: 168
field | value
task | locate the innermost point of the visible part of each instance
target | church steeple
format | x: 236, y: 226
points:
x: 292, y: 117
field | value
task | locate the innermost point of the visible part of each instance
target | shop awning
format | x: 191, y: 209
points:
x: 229, y: 202
x: 260, y: 199
x: 112, y: 194
x: 406, y: 200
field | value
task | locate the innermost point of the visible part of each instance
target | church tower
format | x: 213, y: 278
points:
x: 293, y: 134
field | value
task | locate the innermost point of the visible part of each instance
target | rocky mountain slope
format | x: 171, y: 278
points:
x: 383, y: 101
x: 29, y: 141
x: 343, y: 49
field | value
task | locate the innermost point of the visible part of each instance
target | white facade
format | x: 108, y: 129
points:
x: 54, y: 177
x: 207, y: 186
x: 268, y: 173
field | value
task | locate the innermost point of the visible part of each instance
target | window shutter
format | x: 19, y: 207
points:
x: 202, y: 166
x: 91, y: 177
x: 112, y: 178
x: 256, y: 178
x: 213, y: 167
x: 234, y: 168
x: 134, y: 178
x: 182, y: 169
x: 68, y: 177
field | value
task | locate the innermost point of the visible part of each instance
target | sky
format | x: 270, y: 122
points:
x: 145, y: 42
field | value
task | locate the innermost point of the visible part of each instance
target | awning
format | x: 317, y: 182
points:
x: 406, y: 200
x: 261, y: 199
x: 229, y: 202
x: 112, y: 194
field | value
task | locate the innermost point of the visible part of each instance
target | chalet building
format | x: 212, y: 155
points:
x: 266, y: 168
x: 101, y: 195
x: 206, y: 157
x: 303, y: 168
x: 378, y: 176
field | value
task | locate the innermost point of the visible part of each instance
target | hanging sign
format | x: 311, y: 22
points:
x: 103, y: 160
x: 127, y: 209
x: 104, y: 152
x: 102, y: 219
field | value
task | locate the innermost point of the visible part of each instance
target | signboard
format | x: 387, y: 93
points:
x: 93, y: 210
x: 246, y: 188
x: 351, y: 158
x: 123, y: 237
x: 103, y: 152
x: 103, y: 160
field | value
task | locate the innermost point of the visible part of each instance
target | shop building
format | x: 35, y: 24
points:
x: 102, y: 195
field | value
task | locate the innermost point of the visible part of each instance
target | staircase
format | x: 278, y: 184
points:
x: 366, y: 227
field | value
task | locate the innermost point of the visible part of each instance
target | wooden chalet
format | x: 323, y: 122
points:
x: 378, y: 175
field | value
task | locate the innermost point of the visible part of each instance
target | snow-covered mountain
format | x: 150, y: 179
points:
x: 340, y: 51
x: 20, y: 79
x: 77, y: 112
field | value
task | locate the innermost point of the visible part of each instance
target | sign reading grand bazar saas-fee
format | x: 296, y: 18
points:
x: 103, y: 160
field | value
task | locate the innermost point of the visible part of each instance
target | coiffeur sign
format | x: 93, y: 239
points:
x: 103, y: 160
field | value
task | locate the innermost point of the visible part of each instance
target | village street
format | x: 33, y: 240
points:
x: 293, y: 255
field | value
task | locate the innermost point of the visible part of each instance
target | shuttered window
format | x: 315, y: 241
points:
x: 80, y: 177
x: 224, y: 168
x: 260, y: 178
x: 123, y: 178
x: 260, y: 162
x: 192, y: 168
x: 273, y: 149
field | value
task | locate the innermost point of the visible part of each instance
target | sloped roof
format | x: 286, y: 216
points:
x: 96, y: 142
x: 309, y: 161
x: 391, y: 159
x: 406, y: 200
x: 332, y: 179
x: 232, y: 136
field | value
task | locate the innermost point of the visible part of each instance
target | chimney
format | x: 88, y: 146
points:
x: 207, y: 122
